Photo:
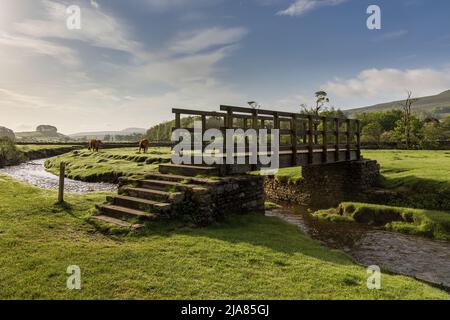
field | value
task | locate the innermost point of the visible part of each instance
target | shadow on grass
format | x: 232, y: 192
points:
x: 237, y: 230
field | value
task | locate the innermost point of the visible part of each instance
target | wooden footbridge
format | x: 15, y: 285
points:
x: 303, y: 139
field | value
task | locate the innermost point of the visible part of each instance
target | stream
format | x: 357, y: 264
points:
x: 424, y: 259
x: 34, y: 173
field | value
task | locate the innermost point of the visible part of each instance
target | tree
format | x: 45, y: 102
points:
x: 372, y: 133
x: 321, y: 100
x: 432, y: 134
x: 407, y: 117
x: 414, y: 131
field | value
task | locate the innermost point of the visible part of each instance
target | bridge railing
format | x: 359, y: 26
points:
x: 299, y: 133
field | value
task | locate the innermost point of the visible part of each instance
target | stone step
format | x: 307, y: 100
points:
x: 139, y: 204
x: 118, y: 223
x: 120, y: 212
x: 191, y: 171
x: 164, y: 185
x: 151, y: 194
x: 179, y: 178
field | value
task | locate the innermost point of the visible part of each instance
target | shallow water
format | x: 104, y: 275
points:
x: 34, y: 173
x: 423, y: 259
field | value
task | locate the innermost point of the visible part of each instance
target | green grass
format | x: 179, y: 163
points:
x: 421, y: 178
x: 290, y: 175
x: 33, y: 147
x: 427, y: 223
x: 244, y: 257
x: 109, y: 164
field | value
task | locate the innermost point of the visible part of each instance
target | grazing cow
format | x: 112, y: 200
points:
x: 143, y: 144
x: 94, y: 145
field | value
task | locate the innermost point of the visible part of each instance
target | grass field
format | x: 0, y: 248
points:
x: 109, y: 164
x: 245, y: 257
x: 34, y: 147
x: 421, y: 178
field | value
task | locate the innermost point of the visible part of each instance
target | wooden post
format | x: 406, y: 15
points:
x: 311, y: 139
x: 349, y: 130
x: 62, y: 172
x: 255, y: 127
x: 325, y: 140
x: 177, y: 121
x: 316, y: 135
x: 203, y: 133
x: 337, y: 138
x: 358, y: 140
x: 304, y: 125
x: 294, y: 139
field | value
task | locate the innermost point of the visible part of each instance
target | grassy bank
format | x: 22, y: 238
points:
x: 427, y: 223
x: 11, y: 154
x: 108, y: 165
x: 245, y: 257
x: 421, y: 179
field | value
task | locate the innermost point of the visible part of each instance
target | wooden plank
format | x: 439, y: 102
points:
x: 198, y: 112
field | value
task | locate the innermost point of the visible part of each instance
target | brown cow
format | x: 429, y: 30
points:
x: 143, y: 144
x: 94, y: 145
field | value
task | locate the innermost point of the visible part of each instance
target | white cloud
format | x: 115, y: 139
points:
x: 200, y: 40
x: 373, y: 86
x: 97, y: 28
x: 63, y: 54
x: 164, y: 5
x: 392, y: 35
x: 300, y: 7
x: 86, y: 85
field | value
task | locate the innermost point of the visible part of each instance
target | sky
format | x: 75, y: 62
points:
x: 132, y: 61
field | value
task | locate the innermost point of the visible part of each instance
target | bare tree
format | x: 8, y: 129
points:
x: 407, y: 116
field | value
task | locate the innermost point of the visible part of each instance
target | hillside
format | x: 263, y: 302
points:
x: 438, y: 104
x: 102, y: 134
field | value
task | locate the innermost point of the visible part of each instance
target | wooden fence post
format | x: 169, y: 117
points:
x: 62, y: 172
x: 325, y: 139
x: 311, y: 139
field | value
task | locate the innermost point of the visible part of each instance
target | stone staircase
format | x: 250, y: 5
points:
x: 153, y: 197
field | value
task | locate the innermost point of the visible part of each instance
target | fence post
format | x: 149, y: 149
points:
x: 310, y: 139
x: 358, y: 139
x: 337, y: 140
x: 325, y: 140
x: 62, y: 172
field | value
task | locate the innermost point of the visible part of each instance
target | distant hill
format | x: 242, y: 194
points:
x: 43, y: 133
x: 439, y: 105
x: 102, y: 134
